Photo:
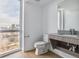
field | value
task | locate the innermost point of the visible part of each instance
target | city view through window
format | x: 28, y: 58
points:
x: 9, y: 25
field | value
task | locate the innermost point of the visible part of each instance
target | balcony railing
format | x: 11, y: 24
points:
x: 9, y: 39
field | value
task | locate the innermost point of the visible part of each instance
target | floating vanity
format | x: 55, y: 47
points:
x: 65, y: 43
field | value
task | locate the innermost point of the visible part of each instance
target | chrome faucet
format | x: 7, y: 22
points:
x: 72, y: 31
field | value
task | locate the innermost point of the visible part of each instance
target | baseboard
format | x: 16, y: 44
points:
x: 29, y: 50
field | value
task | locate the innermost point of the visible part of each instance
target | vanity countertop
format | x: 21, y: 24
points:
x: 74, y: 39
x: 69, y: 36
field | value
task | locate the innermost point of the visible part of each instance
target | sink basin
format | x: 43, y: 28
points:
x: 69, y: 35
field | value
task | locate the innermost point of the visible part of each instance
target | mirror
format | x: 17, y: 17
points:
x: 68, y: 15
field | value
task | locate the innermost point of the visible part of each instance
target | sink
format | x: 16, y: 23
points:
x: 70, y: 36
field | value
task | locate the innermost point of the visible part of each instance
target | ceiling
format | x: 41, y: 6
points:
x: 39, y: 2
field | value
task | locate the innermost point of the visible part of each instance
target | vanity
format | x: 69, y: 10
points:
x: 67, y: 38
x: 66, y: 43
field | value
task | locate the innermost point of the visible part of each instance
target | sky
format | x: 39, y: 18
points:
x: 9, y: 12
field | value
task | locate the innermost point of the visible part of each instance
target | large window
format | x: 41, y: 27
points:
x: 9, y: 25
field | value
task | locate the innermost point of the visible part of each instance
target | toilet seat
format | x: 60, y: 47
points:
x: 40, y: 44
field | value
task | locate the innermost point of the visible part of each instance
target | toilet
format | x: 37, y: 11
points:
x: 42, y: 46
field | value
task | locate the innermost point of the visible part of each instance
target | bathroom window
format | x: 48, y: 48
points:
x: 9, y: 25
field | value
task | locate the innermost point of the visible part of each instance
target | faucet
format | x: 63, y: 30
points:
x: 72, y: 31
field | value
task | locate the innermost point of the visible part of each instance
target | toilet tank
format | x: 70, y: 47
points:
x: 45, y: 37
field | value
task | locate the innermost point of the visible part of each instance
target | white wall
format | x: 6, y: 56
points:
x: 70, y: 4
x: 50, y: 18
x: 32, y: 26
